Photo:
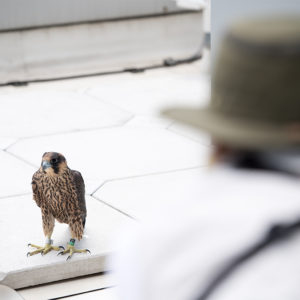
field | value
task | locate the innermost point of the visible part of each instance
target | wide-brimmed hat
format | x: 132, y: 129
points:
x: 255, y: 92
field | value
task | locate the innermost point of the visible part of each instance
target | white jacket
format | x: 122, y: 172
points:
x: 174, y: 254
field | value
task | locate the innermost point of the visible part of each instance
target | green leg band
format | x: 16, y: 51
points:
x: 72, y: 242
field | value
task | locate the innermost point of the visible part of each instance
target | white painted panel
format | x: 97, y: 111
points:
x: 31, y: 13
x: 98, y: 47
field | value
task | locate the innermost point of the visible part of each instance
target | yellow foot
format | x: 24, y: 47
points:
x: 71, y: 249
x: 43, y: 250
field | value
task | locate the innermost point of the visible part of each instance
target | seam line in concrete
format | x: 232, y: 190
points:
x: 70, y: 132
x: 15, y: 195
x: 187, y: 137
x: 113, y: 207
x: 145, y: 175
x: 81, y: 293
x: 21, y: 159
x: 87, y: 93
x: 11, y: 144
x: 172, y: 122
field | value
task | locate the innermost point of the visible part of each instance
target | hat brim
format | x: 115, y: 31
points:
x: 237, y: 132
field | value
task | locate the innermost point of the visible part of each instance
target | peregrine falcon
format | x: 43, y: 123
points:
x: 60, y: 193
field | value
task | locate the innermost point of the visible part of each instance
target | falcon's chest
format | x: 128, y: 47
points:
x: 58, y: 192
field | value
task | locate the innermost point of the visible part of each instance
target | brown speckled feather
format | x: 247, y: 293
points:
x: 80, y: 187
x: 60, y: 196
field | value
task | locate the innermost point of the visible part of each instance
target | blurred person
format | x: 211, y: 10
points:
x: 241, y: 238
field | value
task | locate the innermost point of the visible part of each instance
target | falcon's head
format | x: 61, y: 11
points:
x: 53, y: 163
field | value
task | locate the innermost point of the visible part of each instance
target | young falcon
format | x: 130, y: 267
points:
x: 59, y: 192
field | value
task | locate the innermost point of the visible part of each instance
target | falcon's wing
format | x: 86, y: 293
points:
x: 80, y: 188
x: 36, y: 189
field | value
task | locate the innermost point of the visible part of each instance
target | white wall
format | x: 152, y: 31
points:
x: 31, y: 13
x: 98, y: 47
x: 224, y: 12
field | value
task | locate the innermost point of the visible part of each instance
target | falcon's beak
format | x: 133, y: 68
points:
x: 46, y: 164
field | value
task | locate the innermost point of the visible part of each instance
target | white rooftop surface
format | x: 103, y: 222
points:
x: 141, y: 195
x: 21, y: 224
x: 131, y: 158
x: 63, y: 110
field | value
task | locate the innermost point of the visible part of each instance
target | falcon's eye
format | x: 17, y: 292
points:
x: 53, y: 160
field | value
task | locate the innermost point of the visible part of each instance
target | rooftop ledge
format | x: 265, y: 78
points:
x: 98, y: 47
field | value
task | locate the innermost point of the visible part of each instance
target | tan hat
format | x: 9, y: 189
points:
x: 255, y: 101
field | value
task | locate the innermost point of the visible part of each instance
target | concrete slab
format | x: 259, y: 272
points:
x: 15, y: 176
x: 148, y: 93
x: 106, y: 294
x: 15, y: 15
x: 5, y: 142
x: 18, y: 229
x: 141, y: 121
x: 9, y: 294
x: 98, y: 47
x: 117, y: 152
x: 191, y: 132
x: 69, y: 287
x: 143, y: 150
x: 30, y: 112
x: 201, y: 67
x: 139, y: 197
x: 111, y: 82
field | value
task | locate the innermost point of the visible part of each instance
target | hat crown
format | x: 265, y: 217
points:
x: 257, y: 75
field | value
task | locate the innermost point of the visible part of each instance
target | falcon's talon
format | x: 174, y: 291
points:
x: 28, y: 245
x: 71, y: 249
x: 42, y: 250
x: 61, y: 247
